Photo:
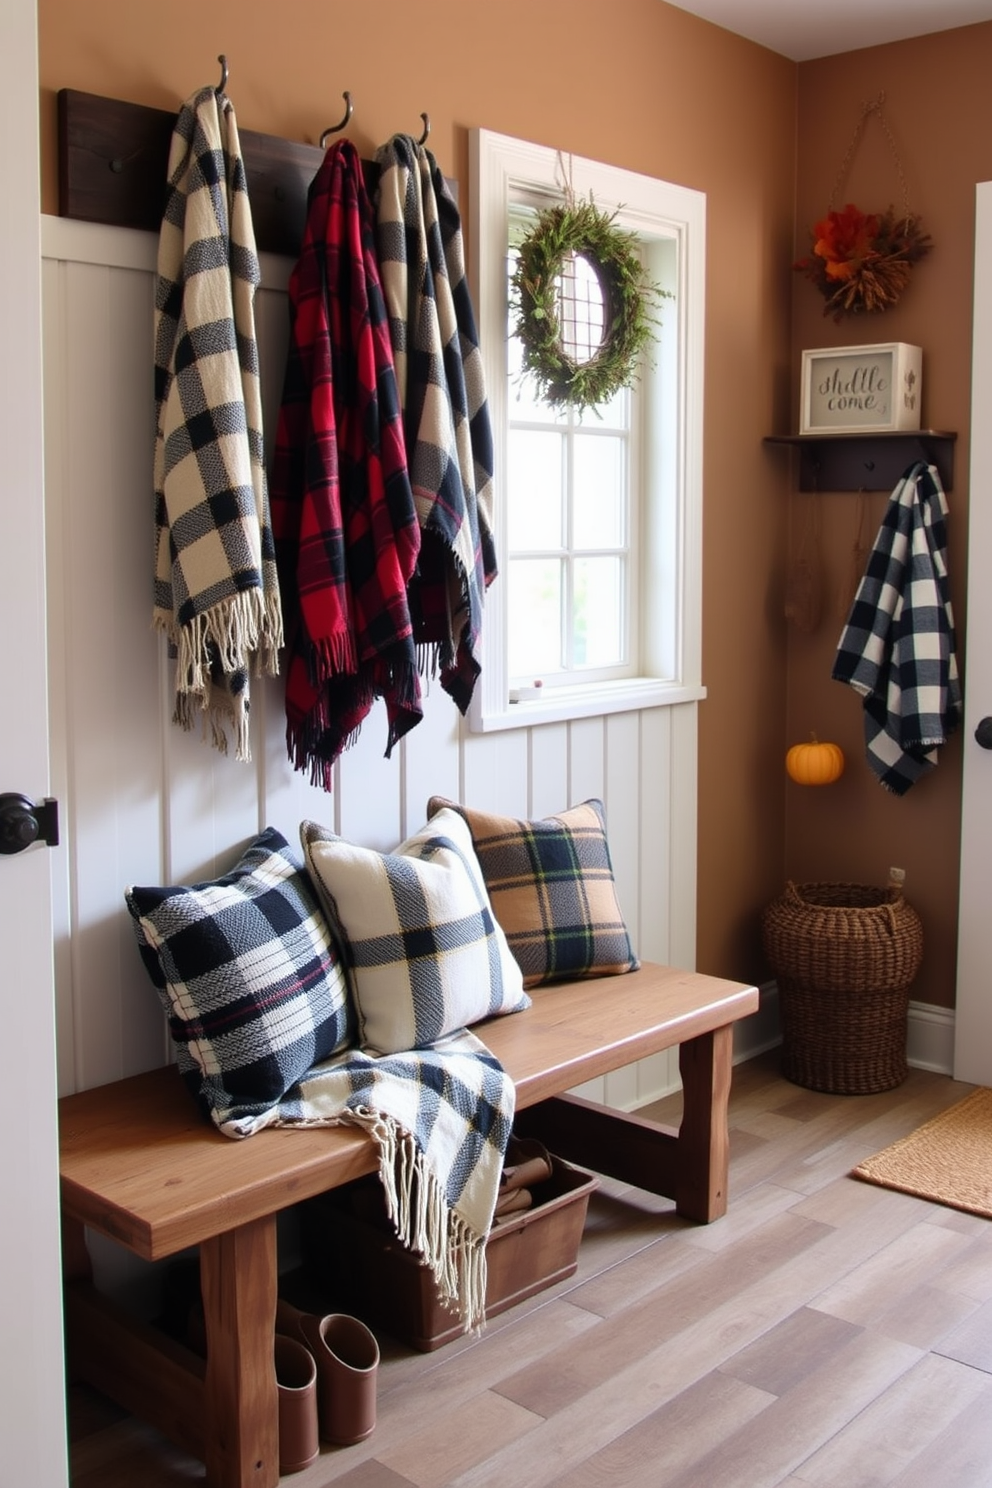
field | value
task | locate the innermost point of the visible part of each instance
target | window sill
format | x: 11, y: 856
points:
x: 589, y: 701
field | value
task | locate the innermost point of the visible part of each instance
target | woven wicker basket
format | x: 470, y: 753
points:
x: 844, y: 956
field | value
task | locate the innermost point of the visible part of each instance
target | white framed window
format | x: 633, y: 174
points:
x: 597, y: 516
x: 571, y: 521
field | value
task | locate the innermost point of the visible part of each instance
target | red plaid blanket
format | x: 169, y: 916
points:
x: 343, y: 515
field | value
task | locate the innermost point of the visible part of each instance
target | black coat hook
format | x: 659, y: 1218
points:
x: 337, y: 128
x: 222, y: 85
x: 427, y: 129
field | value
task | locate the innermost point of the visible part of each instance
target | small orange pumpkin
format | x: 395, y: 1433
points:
x: 815, y: 763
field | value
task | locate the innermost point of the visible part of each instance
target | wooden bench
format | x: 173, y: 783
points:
x: 141, y: 1165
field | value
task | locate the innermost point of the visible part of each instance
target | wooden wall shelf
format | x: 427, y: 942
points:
x: 868, y: 462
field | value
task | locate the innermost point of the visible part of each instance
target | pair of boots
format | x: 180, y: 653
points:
x: 326, y: 1372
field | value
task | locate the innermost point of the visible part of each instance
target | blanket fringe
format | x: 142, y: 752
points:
x: 218, y: 709
x: 227, y: 633
x: 272, y: 637
x: 331, y: 656
x: 213, y: 647
x: 417, y: 1206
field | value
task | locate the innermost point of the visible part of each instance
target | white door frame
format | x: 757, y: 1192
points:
x: 973, y: 1012
x: 32, y: 1393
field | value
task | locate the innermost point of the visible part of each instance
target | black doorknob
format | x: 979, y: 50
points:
x: 22, y: 822
x: 983, y: 733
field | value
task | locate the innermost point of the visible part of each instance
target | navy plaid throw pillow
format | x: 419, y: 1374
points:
x: 552, y: 890
x: 249, y: 975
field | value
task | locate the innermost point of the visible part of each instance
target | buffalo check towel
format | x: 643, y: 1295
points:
x: 446, y: 422
x: 343, y: 515
x: 216, y: 587
x: 441, y: 1120
x: 897, y: 648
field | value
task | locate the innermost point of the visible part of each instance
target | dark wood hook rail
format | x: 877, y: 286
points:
x: 113, y: 159
x: 868, y: 462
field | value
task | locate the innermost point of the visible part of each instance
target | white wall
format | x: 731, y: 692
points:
x: 144, y: 802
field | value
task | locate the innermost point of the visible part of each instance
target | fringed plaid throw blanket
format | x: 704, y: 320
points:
x: 342, y: 509
x: 441, y: 1119
x: 445, y: 414
x: 897, y: 648
x: 216, y: 589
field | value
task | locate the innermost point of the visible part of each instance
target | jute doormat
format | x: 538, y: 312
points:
x: 948, y: 1159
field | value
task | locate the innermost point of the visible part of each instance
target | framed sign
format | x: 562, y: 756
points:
x: 861, y: 389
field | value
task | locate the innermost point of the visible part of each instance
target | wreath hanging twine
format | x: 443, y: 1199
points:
x: 582, y: 229
x: 861, y: 261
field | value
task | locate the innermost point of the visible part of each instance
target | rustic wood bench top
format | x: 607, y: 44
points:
x: 141, y: 1164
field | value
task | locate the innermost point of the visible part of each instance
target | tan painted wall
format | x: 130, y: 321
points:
x: 641, y: 85
x: 936, y: 105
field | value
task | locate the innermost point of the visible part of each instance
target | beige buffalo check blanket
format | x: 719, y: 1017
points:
x: 446, y: 423
x: 216, y: 590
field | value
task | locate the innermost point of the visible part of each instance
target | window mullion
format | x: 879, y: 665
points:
x: 568, y: 585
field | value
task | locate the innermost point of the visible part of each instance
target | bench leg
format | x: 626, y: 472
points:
x: 706, y: 1065
x: 238, y: 1280
x: 690, y: 1167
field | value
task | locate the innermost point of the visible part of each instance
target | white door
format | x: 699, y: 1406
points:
x: 973, y: 1017
x: 32, y: 1399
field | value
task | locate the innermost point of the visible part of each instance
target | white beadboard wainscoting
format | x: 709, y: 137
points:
x: 142, y: 802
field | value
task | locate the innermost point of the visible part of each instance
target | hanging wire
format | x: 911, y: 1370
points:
x: 337, y: 128
x: 869, y: 107
x: 858, y: 557
x: 804, y: 582
x: 563, y: 176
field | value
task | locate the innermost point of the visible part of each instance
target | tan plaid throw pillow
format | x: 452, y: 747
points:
x: 552, y: 889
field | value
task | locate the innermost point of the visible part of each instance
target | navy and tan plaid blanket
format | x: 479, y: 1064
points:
x: 441, y: 1120
x: 342, y: 510
x: 897, y: 647
x: 216, y: 587
x: 442, y: 390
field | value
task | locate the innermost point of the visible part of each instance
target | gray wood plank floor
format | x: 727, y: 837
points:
x: 825, y: 1333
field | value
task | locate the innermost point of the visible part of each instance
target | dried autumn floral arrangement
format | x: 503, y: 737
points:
x: 861, y: 261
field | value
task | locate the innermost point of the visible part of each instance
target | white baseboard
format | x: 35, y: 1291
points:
x: 929, y: 1034
x: 930, y: 1038
x: 929, y: 1046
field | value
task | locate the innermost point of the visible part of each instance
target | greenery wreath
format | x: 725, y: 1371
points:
x: 629, y: 298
